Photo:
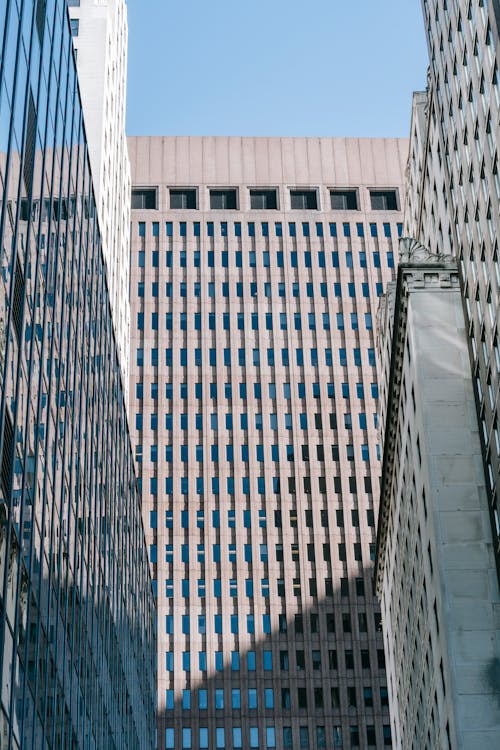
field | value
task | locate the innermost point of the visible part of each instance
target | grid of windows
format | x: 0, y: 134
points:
x: 259, y: 461
x: 77, y: 634
x: 456, y: 202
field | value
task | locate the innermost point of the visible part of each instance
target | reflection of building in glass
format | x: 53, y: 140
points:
x: 454, y: 193
x: 256, y: 266
x: 100, y: 33
x: 77, y: 635
x: 435, y: 567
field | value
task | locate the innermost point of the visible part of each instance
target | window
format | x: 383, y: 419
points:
x: 252, y: 698
x: 384, y: 200
x: 263, y: 199
x: 144, y: 198
x: 270, y: 737
x: 304, y: 737
x: 75, y: 26
x: 303, y: 200
x: 302, y: 697
x: 344, y: 200
x: 354, y: 731
x: 223, y: 199
x: 183, y: 198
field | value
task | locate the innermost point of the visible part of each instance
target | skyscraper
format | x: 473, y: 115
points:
x: 256, y: 267
x: 435, y: 566
x: 100, y: 36
x: 77, y: 632
x: 453, y: 203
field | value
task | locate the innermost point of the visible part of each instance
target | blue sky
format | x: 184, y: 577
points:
x: 274, y: 67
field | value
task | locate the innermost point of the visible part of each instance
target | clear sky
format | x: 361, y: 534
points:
x: 274, y: 67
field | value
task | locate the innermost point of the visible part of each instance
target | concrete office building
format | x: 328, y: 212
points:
x: 435, y: 568
x: 256, y: 268
x: 453, y: 204
x: 100, y: 38
x: 77, y: 630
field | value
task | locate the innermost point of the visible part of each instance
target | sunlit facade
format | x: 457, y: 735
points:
x: 100, y: 38
x: 454, y: 191
x: 435, y: 565
x: 256, y: 267
x: 77, y: 630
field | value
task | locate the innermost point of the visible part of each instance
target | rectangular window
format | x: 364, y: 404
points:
x: 144, y: 198
x: 304, y: 200
x: 344, y: 200
x: 384, y: 200
x: 263, y: 199
x: 183, y: 198
x: 223, y: 199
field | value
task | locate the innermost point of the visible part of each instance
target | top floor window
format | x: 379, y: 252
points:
x: 304, y: 200
x: 183, y: 198
x: 344, y: 200
x: 384, y: 200
x: 223, y: 199
x: 263, y: 199
x: 144, y: 198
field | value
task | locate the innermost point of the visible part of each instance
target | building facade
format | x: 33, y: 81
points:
x: 100, y: 38
x: 77, y: 630
x: 435, y: 567
x: 455, y: 201
x: 256, y: 268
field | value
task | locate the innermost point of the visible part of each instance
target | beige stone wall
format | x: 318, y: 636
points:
x: 437, y: 577
x: 312, y: 546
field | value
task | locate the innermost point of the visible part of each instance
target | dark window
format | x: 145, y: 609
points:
x: 7, y: 448
x: 41, y: 8
x: 183, y: 198
x: 263, y: 199
x: 18, y: 300
x: 29, y: 151
x: 302, y: 697
x: 304, y: 199
x: 349, y: 660
x: 344, y: 200
x: 223, y: 198
x: 144, y: 198
x: 384, y: 200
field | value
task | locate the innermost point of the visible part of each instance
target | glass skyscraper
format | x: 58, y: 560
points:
x: 256, y: 268
x: 77, y: 630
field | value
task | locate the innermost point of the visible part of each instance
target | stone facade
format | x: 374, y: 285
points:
x: 435, y: 567
x: 455, y: 197
x: 256, y: 269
